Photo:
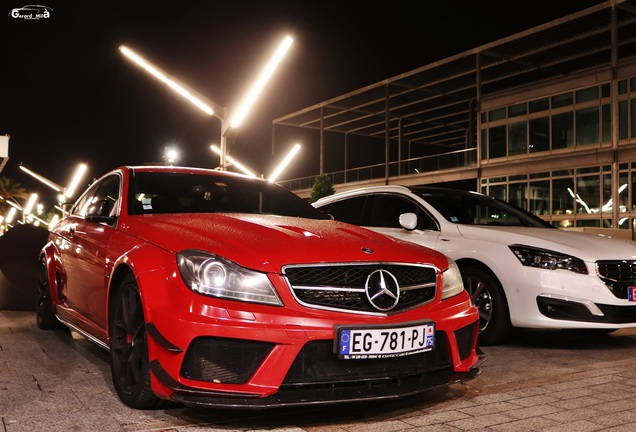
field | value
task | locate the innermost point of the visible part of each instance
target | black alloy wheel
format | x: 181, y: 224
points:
x: 44, y: 315
x: 129, y: 348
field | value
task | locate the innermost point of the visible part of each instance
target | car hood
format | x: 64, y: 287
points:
x: 587, y: 246
x: 267, y: 242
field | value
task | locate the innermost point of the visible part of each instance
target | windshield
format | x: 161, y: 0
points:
x: 168, y: 192
x: 476, y: 209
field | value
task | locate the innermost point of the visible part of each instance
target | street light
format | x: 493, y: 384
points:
x: 170, y: 157
x: 262, y: 80
x: 272, y: 178
x: 65, y: 192
x: 207, y: 106
x: 233, y: 161
x: 44, y: 180
x: 79, y: 173
x: 11, y: 215
x: 30, y: 204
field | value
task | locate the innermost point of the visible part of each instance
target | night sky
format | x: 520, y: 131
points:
x: 67, y: 95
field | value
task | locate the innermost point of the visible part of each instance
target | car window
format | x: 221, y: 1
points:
x: 347, y: 210
x: 166, y: 192
x: 385, y: 211
x: 474, y: 209
x: 101, y: 199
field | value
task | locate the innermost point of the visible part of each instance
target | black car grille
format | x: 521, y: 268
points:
x: 316, y: 364
x: 227, y: 361
x: 342, y: 286
x: 617, y: 275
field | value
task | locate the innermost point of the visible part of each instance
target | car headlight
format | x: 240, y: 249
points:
x: 451, y: 281
x: 547, y: 259
x: 211, y: 275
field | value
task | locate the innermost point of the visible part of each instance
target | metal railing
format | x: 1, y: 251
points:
x: 420, y: 165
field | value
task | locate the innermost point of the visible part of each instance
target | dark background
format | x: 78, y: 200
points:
x: 68, y: 96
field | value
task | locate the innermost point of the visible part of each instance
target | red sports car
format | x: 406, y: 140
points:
x: 216, y: 290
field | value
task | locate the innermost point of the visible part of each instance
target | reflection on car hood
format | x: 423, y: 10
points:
x: 586, y: 246
x: 267, y: 242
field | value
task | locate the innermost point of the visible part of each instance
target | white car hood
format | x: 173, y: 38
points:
x: 586, y: 246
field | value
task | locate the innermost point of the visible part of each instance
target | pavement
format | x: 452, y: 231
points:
x: 549, y: 381
x: 539, y: 381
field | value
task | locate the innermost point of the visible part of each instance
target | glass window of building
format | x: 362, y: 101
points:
x: 632, y: 192
x: 562, y: 130
x: 517, y: 195
x: 623, y: 192
x: 586, y: 95
x: 587, y: 126
x: 606, y: 122
x: 562, y: 100
x: 497, y: 142
x: 539, y: 197
x: 622, y: 120
x: 633, y: 117
x: 539, y: 105
x: 497, y: 114
x: 588, y: 194
x: 517, y: 138
x: 517, y: 110
x: 539, y: 134
x: 563, y: 195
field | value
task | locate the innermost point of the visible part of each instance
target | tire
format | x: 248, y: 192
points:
x: 488, y: 295
x: 129, y: 363
x: 44, y: 314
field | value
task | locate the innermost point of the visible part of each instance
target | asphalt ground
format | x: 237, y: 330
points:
x: 539, y: 381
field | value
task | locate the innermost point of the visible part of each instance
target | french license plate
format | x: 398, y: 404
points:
x: 384, y: 342
x: 631, y: 293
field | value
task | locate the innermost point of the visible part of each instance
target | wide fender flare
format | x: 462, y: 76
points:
x: 50, y: 253
x: 152, y: 267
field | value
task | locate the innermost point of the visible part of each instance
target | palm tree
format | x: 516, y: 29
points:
x: 10, y: 189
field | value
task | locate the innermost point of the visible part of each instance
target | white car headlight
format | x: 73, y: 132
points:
x: 451, y: 281
x: 547, y: 259
x: 211, y: 275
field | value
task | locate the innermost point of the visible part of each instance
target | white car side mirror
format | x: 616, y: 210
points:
x: 408, y: 221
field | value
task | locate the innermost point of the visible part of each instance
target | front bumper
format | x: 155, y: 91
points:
x: 580, y: 310
x: 316, y: 377
x: 209, y: 352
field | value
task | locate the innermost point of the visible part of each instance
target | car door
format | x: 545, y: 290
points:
x: 84, y: 256
x: 381, y: 212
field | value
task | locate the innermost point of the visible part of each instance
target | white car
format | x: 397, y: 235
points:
x: 519, y: 270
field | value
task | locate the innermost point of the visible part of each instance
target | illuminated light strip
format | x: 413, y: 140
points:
x: 79, y: 172
x: 157, y: 73
x: 284, y: 163
x: 30, y: 204
x: 44, y: 180
x: 233, y: 161
x: 267, y: 73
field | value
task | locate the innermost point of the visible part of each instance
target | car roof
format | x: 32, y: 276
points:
x: 180, y: 169
x: 396, y: 188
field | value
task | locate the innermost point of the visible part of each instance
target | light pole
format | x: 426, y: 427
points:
x: 207, y: 106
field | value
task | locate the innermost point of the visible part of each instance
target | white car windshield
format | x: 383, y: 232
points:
x: 476, y: 209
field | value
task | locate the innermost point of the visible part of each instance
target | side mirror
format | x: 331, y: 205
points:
x: 408, y: 221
